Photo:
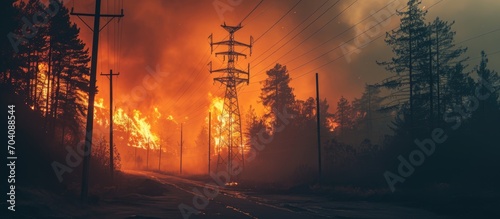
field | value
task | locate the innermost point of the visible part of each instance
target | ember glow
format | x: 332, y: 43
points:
x: 221, y: 122
x: 216, y: 107
x: 42, y: 84
x: 134, y: 128
x: 154, y: 129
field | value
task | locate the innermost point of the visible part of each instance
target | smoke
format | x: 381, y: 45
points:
x: 174, y: 36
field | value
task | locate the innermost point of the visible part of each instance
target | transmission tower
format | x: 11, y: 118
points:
x: 230, y: 148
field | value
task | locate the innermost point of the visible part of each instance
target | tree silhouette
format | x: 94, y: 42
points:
x: 344, y: 116
x: 446, y: 65
x: 254, y: 126
x: 9, y: 61
x: 276, y: 94
x: 490, y: 80
x: 408, y: 43
x: 50, y: 67
x: 369, y: 117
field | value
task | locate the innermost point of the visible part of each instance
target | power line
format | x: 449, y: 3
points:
x: 478, y: 36
x: 335, y: 48
x: 329, y: 8
x: 327, y: 41
x: 353, y: 49
x: 208, y: 58
x: 251, y: 11
x: 202, y: 81
x: 254, y: 41
x: 310, y: 36
x: 183, y: 87
x: 281, y: 18
x: 339, y: 47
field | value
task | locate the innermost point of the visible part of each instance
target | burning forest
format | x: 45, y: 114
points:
x: 250, y: 108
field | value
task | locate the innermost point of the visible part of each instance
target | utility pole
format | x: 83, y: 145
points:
x: 318, y: 123
x: 231, y: 134
x: 111, y: 163
x: 147, y: 156
x: 92, y: 89
x: 180, y: 164
x: 209, y: 138
x: 159, y: 159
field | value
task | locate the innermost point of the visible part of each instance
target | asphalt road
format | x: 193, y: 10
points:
x: 233, y: 203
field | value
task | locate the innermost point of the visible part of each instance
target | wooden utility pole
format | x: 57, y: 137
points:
x: 111, y: 162
x: 318, y: 123
x: 180, y: 165
x: 92, y: 90
x: 159, y: 158
x: 147, y: 156
x: 209, y: 137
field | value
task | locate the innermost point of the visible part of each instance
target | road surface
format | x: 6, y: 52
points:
x: 231, y: 203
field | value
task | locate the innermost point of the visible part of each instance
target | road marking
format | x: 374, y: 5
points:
x: 240, y: 211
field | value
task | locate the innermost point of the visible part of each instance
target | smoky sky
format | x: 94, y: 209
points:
x: 174, y: 35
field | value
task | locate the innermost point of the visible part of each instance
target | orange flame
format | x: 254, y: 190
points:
x: 221, y: 123
x: 136, y: 129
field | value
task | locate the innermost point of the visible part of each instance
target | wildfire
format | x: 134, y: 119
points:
x: 332, y: 125
x: 42, y: 85
x: 221, y: 123
x: 152, y: 127
x: 135, y: 129
x: 99, y: 107
x: 216, y: 106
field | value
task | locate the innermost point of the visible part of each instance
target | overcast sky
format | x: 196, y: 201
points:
x: 174, y: 35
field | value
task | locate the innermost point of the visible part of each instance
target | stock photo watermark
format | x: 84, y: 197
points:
x: 223, y: 6
x: 220, y: 179
x: 74, y: 158
x: 370, y: 31
x: 11, y: 157
x: 29, y: 28
x: 427, y: 147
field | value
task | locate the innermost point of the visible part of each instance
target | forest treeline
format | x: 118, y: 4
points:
x: 429, y: 89
x: 430, y: 92
x: 45, y: 70
x: 45, y: 61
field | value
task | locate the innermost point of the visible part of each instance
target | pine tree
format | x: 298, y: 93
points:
x: 325, y: 116
x: 344, y: 116
x: 32, y: 48
x: 367, y: 111
x: 305, y: 110
x: 276, y: 94
x: 447, y: 64
x: 490, y: 80
x: 8, y: 57
x: 50, y: 68
x: 254, y: 126
x: 69, y: 70
x: 408, y: 45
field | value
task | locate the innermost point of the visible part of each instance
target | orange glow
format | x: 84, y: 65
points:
x: 42, y: 86
x: 182, y: 93
x: 221, y: 123
x: 135, y: 128
x: 216, y: 106
x: 331, y: 124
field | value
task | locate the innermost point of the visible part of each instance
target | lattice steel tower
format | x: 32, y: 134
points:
x: 230, y: 148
